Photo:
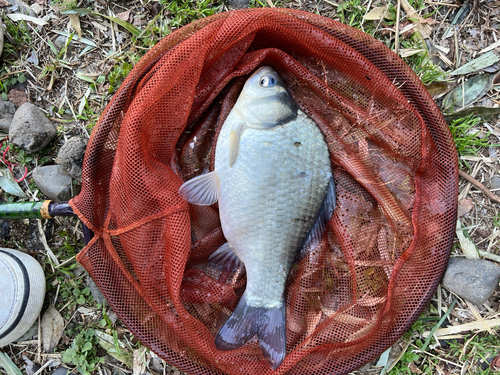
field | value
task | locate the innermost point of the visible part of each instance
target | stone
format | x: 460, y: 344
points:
x: 238, y: 4
x: 31, y: 129
x: 7, y: 110
x: 52, y: 182
x: 1, y: 38
x: 495, y: 182
x: 474, y: 280
x: 60, y: 42
x: 70, y: 156
x: 465, y: 206
x: 156, y: 365
x: 60, y: 371
x: 94, y: 290
x: 20, y: 6
x: 18, y: 96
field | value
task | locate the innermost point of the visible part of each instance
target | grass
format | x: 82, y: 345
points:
x: 467, y: 137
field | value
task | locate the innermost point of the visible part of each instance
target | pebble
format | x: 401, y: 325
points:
x: 1, y: 38
x: 60, y: 371
x: 70, y: 156
x: 94, y: 290
x: 20, y: 7
x: 495, y: 182
x: 31, y: 129
x: 156, y: 365
x: 238, y: 4
x: 465, y: 206
x: 53, y: 182
x: 474, y: 280
x: 60, y: 42
x: 7, y: 110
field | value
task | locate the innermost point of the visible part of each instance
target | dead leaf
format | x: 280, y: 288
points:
x: 377, y: 13
x: 52, y: 329
x: 4, y: 3
x: 414, y: 369
x: 124, y: 15
x: 41, y: 2
x: 30, y: 367
x: 23, y: 17
x: 468, y: 92
x: 18, y: 97
x: 468, y: 247
x: 464, y: 206
x: 139, y: 361
x: 496, y: 363
x: 75, y: 22
x: 439, y: 88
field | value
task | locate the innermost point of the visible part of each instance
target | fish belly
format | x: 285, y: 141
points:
x: 269, y: 199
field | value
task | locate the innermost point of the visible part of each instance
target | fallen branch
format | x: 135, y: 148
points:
x: 480, y: 186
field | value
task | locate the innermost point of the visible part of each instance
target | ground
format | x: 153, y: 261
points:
x: 73, y: 57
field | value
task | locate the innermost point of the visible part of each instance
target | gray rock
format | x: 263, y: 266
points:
x: 7, y: 110
x: 31, y: 129
x: 472, y: 279
x: 238, y: 4
x: 1, y: 38
x: 53, y: 183
x: 495, y: 182
x: 60, y: 371
x: 60, y: 42
x: 20, y: 6
x: 96, y: 293
x: 70, y: 156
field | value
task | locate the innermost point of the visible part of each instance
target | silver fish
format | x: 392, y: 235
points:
x: 274, y: 185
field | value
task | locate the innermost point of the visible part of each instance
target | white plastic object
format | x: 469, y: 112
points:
x: 22, y: 291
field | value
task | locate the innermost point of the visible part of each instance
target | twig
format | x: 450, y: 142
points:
x: 44, y: 366
x: 2, y: 77
x: 480, y: 186
x: 398, y: 11
x: 39, y: 349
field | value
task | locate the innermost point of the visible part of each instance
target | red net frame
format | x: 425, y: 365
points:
x: 385, y: 248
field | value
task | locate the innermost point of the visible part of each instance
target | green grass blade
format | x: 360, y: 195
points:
x: 431, y: 334
x: 128, y: 26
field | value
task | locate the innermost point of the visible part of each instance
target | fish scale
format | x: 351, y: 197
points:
x: 269, y: 199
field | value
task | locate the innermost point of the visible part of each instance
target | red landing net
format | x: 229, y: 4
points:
x: 385, y: 248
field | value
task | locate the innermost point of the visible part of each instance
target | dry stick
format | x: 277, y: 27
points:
x: 398, y: 11
x: 480, y: 186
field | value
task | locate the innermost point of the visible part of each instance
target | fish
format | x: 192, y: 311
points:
x: 273, y: 182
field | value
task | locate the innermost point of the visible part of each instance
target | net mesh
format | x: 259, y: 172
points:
x: 393, y: 161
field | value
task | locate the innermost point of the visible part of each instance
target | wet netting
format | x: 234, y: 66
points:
x: 384, y: 250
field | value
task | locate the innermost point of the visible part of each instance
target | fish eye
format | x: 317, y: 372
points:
x: 267, y: 81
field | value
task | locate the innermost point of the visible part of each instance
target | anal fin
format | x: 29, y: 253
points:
x: 202, y: 190
x: 226, y: 258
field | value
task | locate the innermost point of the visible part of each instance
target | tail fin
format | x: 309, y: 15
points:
x: 247, y: 321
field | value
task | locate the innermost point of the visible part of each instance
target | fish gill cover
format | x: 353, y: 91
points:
x: 384, y: 250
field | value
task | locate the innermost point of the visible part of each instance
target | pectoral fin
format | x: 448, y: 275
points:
x: 324, y: 215
x: 234, y: 142
x: 202, y: 190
